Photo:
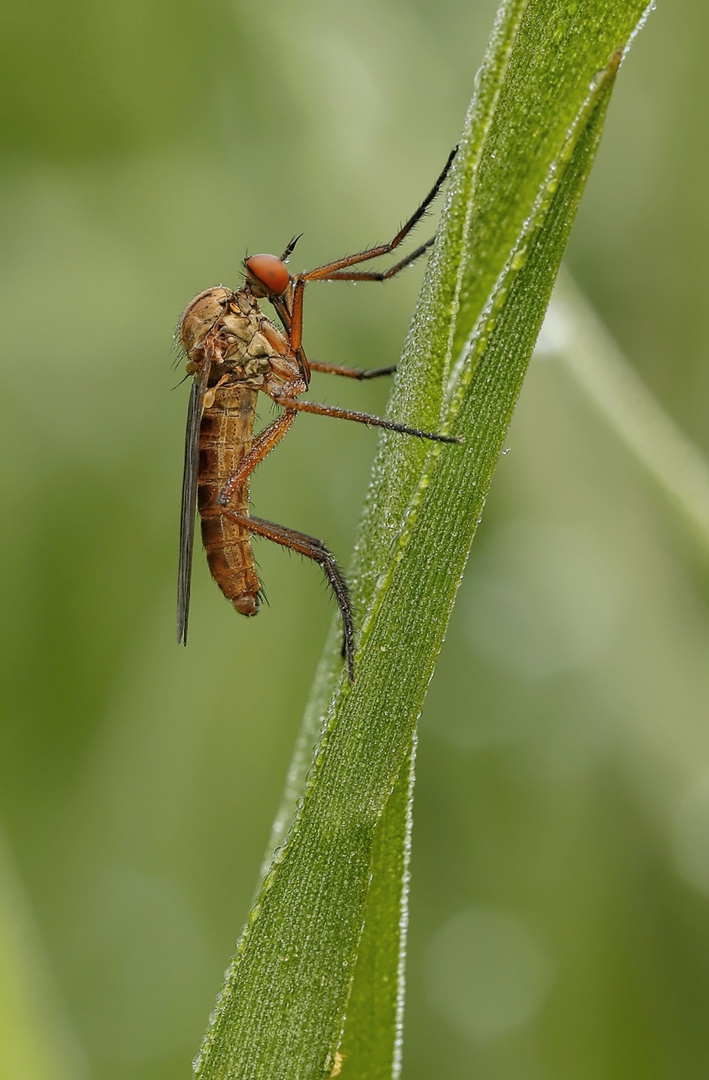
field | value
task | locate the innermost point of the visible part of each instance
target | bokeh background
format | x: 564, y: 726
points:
x: 560, y: 903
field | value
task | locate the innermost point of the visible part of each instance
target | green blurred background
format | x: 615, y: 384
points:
x: 560, y: 901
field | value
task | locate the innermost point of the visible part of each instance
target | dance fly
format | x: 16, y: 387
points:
x: 234, y: 353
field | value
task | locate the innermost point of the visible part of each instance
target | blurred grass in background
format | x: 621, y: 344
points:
x: 560, y: 904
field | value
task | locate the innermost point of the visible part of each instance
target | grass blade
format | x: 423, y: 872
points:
x: 528, y: 146
x: 372, y: 1042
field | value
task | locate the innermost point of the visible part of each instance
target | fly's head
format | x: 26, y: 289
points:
x: 266, y: 276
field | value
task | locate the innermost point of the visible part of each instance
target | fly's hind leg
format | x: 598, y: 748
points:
x: 261, y: 446
x: 314, y: 549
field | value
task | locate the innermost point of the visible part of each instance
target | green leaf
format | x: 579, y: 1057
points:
x: 529, y: 141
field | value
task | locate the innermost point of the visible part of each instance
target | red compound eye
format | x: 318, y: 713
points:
x: 269, y: 272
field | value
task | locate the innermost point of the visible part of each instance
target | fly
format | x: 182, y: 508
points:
x: 235, y: 352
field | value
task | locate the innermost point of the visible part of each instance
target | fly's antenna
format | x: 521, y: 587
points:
x: 290, y: 247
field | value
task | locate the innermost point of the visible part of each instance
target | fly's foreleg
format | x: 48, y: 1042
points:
x: 338, y: 269
x: 381, y: 275
x: 314, y: 549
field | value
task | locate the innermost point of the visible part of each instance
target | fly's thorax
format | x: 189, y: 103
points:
x: 240, y: 351
x: 225, y: 327
x: 229, y: 330
x: 200, y: 316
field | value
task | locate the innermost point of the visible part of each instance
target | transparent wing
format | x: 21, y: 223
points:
x: 189, y: 500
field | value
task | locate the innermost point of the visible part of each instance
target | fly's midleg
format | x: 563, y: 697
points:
x: 226, y: 434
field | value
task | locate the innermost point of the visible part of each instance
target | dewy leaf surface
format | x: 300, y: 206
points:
x: 529, y: 142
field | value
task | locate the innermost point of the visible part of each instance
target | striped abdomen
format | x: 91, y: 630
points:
x: 225, y: 437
